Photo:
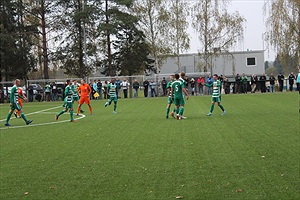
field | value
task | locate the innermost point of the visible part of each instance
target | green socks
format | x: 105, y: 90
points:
x: 212, y: 108
x: 168, y: 111
x: 61, y: 112
x: 71, y: 115
x: 8, y: 117
x: 23, y: 116
x: 181, y: 111
x: 221, y: 107
x: 115, y: 107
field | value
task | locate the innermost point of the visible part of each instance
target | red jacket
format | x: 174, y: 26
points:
x: 200, y: 81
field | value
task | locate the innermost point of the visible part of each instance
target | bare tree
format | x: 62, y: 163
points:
x: 178, y: 11
x: 154, y: 23
x: 284, y: 30
x: 217, y: 28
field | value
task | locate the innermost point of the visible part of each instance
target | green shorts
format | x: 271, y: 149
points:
x: 15, y: 106
x: 115, y: 99
x: 179, y: 101
x: 170, y: 100
x: 216, y: 99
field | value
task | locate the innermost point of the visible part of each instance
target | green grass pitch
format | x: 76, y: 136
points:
x: 250, y: 153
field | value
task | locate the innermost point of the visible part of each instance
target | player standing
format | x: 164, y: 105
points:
x: 23, y: 97
x: 112, y: 91
x: 14, y: 104
x: 74, y: 87
x: 170, y: 96
x: 216, y: 95
x: 68, y: 102
x: 84, y: 91
x: 177, y: 89
x: 182, y: 79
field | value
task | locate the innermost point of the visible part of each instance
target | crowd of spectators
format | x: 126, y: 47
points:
x: 240, y: 84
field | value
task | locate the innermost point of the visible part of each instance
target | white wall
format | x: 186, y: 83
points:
x: 221, y: 64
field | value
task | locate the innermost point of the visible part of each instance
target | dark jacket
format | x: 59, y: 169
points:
x: 272, y: 80
x: 146, y: 84
x: 136, y: 85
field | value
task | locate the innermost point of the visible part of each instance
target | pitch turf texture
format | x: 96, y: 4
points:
x: 250, y: 153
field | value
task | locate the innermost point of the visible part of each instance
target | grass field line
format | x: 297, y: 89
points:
x: 42, y: 124
x: 2, y: 120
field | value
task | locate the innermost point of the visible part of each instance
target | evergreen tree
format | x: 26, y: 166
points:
x: 132, y: 51
x: 16, y: 41
x: 76, y: 34
x: 115, y: 12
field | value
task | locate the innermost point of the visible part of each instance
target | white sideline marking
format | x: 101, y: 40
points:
x: 2, y: 120
x: 41, y: 124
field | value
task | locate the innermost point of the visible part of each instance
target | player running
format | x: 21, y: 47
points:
x: 23, y: 97
x: 216, y: 95
x: 170, y: 96
x: 112, y: 91
x: 84, y: 91
x: 68, y: 102
x: 14, y: 103
x: 177, y: 89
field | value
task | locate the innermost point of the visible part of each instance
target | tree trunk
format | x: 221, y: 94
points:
x: 108, y: 42
x: 44, y: 40
x: 80, y: 33
x: 205, y: 38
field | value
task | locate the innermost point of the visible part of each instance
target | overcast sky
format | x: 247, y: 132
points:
x: 252, y: 11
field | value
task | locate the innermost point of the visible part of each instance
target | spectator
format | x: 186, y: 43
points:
x: 262, y: 80
x: 38, y: 96
x: 272, y: 82
x: 244, y: 81
x: 209, y: 81
x: 94, y: 89
x: 146, y: 86
x: 237, y: 84
x: 91, y: 86
x: 105, y: 90
x: 99, y: 88
x: 136, y: 86
x: 200, y: 82
x: 152, y: 88
x: 291, y: 80
x: 118, y: 84
x: 164, y: 86
x: 192, y: 82
x: 47, y: 92
x: 125, y: 86
x: 186, y: 82
x: 254, y: 80
x: 226, y: 85
x: 54, y: 92
x: 1, y: 94
x: 221, y: 79
x: 30, y: 93
x: 280, y: 81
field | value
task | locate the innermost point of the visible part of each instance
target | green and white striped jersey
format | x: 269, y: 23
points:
x: 216, y: 88
x: 68, y: 94
x: 183, y: 82
x: 169, y: 86
x: 75, y: 90
x: 112, y: 90
x: 14, y: 96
